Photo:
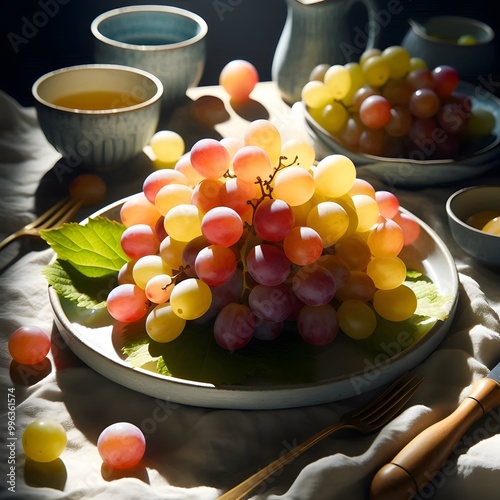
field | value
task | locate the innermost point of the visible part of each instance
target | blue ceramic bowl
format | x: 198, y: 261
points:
x: 460, y: 207
x: 106, y: 137
x: 166, y: 41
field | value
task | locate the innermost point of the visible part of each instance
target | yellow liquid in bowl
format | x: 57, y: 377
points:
x: 97, y: 100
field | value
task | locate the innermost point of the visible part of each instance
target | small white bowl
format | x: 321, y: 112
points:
x: 99, y: 138
x: 166, y: 41
x: 460, y: 207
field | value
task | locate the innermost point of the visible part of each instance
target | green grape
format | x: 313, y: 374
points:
x: 398, y: 59
x: 334, y: 117
x: 376, y: 70
x: 168, y: 146
x: 329, y: 220
x: 358, y: 80
x: 467, y: 40
x: 44, y: 440
x: 417, y: 63
x: 334, y: 175
x: 316, y: 94
x: 338, y: 81
x: 190, y: 298
x: 481, y: 122
x: 356, y: 319
x: 397, y: 304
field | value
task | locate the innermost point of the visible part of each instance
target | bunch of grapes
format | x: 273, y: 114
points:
x: 390, y: 104
x: 249, y: 234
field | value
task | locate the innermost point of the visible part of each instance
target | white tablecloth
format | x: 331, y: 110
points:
x: 197, y: 453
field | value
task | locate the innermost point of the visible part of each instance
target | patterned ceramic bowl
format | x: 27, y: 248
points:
x: 97, y: 115
x: 166, y: 41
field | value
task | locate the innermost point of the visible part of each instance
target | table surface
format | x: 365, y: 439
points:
x: 197, y: 453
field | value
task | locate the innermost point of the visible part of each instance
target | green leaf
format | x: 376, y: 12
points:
x: 90, y: 293
x: 196, y: 356
x: 93, y: 249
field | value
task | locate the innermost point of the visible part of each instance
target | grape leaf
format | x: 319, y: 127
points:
x: 90, y: 293
x: 93, y: 249
x: 196, y: 356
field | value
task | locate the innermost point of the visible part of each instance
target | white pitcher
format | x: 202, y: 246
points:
x: 320, y: 31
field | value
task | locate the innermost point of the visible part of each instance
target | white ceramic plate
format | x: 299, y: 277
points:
x: 480, y: 156
x: 341, y: 370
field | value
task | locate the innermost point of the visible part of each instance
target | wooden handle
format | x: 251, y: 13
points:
x: 421, y: 459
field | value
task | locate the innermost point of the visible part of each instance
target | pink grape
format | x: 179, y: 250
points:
x: 127, y: 303
x: 375, y: 111
x: 268, y: 265
x: 190, y: 252
x: 234, y: 326
x: 236, y: 194
x: 210, y: 158
x: 206, y: 194
x: 184, y: 166
x: 337, y: 267
x: 373, y: 142
x: 273, y: 220
x: 29, y: 345
x: 400, y: 122
x: 215, y: 265
x: 388, y: 203
x: 314, y: 285
x: 359, y: 286
x: 139, y: 240
x: 238, y: 78
x: 251, y: 162
x: 421, y: 79
x: 303, y: 245
x: 424, y: 103
x: 446, y: 79
x: 159, y: 178
x: 222, y: 226
x: 318, y: 325
x: 159, y: 288
x: 361, y: 94
x: 121, y: 445
x: 270, y: 303
x: 139, y: 210
x: 125, y: 273
x: 410, y: 227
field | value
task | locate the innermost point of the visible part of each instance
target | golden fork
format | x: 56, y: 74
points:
x: 55, y: 216
x: 369, y: 418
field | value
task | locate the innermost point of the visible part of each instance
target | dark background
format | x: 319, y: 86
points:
x: 244, y: 29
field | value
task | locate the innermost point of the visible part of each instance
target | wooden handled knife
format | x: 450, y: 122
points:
x: 422, y: 458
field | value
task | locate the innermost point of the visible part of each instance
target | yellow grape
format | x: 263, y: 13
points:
x: 148, y: 266
x: 361, y: 186
x: 417, y: 63
x: 397, y: 304
x: 398, y: 59
x: 168, y: 146
x: 386, y: 239
x: 354, y: 251
x: 191, y: 298
x: 163, y: 325
x: 44, y: 440
x: 171, y: 195
x: 334, y: 117
x: 185, y: 167
x: 338, y: 80
x: 367, y: 54
x: 367, y: 210
x: 329, y: 220
x: 171, y: 252
x: 376, y: 70
x: 300, y: 149
x: 334, y: 175
x: 358, y: 80
x: 356, y: 319
x: 386, y: 272
x: 183, y: 222
x: 294, y: 185
x: 492, y: 226
x: 316, y: 94
x: 265, y: 135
